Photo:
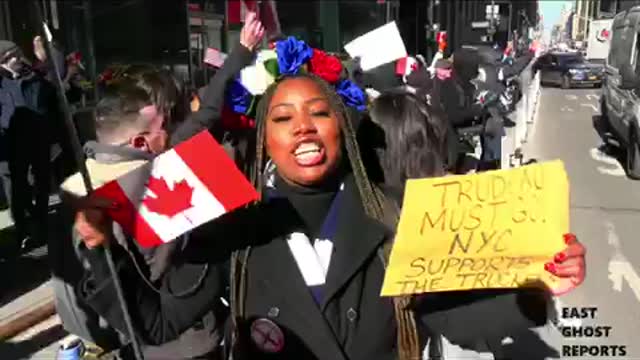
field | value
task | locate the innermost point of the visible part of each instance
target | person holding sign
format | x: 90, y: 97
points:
x: 414, y: 138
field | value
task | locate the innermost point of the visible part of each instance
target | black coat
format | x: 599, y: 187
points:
x: 343, y: 327
x: 354, y: 322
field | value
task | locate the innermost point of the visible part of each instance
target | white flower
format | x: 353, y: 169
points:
x: 255, y: 78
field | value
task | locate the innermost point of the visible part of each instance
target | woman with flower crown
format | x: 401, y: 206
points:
x: 306, y: 263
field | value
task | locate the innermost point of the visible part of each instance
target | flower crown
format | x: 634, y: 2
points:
x: 287, y: 57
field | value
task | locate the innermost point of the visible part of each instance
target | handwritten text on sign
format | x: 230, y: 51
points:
x: 481, y: 231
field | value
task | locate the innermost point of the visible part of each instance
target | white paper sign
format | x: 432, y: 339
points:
x: 378, y: 47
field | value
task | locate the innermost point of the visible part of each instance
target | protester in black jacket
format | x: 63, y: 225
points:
x: 28, y: 112
x: 141, y: 92
x: 460, y: 98
x: 105, y: 162
x: 458, y: 92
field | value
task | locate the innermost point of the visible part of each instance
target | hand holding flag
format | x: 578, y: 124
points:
x: 155, y: 203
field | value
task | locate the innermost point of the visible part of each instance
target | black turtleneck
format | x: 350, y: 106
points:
x: 311, y: 203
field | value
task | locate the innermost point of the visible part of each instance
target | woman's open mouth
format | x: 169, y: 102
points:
x: 309, y: 154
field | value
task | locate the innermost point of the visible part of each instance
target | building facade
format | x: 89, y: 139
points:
x: 176, y: 33
x: 584, y: 12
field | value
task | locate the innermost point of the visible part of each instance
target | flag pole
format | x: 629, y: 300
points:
x: 80, y: 161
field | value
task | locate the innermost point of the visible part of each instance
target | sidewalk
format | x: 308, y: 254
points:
x: 29, y: 327
x: 39, y: 342
x: 26, y: 310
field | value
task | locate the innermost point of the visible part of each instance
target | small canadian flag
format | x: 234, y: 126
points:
x: 406, y: 65
x: 214, y: 57
x: 185, y: 187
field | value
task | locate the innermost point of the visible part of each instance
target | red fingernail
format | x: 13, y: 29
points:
x: 560, y: 257
x: 569, y: 238
x: 550, y: 267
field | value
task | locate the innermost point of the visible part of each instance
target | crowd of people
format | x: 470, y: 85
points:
x: 331, y: 177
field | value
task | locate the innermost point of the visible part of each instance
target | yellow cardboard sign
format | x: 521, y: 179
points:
x: 483, y: 231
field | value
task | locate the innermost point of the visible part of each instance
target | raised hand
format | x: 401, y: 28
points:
x: 252, y: 32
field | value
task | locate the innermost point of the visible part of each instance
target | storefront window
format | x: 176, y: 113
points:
x: 301, y: 19
x: 359, y: 17
x: 330, y: 24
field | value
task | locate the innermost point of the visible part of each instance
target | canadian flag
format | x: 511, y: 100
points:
x: 406, y: 66
x: 185, y: 187
x: 214, y: 57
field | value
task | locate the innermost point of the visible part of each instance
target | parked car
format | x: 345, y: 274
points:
x: 620, y: 101
x: 568, y: 69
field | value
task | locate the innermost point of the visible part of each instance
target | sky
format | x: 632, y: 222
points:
x: 550, y: 11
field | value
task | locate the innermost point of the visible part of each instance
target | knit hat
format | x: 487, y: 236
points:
x: 6, y: 47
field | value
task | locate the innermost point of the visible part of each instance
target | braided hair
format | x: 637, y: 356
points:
x: 371, y: 200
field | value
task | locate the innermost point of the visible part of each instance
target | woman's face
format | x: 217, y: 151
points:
x: 303, y: 133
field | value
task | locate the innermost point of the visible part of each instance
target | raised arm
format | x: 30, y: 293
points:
x: 210, y: 109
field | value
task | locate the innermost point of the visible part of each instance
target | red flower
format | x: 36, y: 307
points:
x: 325, y: 66
x: 234, y: 121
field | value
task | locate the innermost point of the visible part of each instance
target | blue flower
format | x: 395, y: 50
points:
x: 292, y: 54
x: 352, y: 95
x: 238, y: 98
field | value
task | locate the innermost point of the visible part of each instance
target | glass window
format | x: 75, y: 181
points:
x: 301, y: 19
x: 545, y: 60
x: 634, y: 50
x: 636, y: 53
x: 359, y: 17
x: 621, y: 45
x: 572, y: 59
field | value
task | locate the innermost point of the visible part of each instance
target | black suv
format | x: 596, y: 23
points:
x: 620, y: 101
x: 568, y: 69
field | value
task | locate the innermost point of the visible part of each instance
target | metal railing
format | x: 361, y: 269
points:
x: 523, y: 117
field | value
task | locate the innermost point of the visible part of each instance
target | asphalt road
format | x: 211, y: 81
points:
x: 605, y: 215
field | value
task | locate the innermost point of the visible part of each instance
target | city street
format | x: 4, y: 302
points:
x: 605, y: 213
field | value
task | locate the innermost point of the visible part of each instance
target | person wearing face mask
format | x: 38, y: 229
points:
x: 460, y: 101
x: 28, y: 108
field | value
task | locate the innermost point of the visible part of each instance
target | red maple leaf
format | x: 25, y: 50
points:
x: 168, y: 202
